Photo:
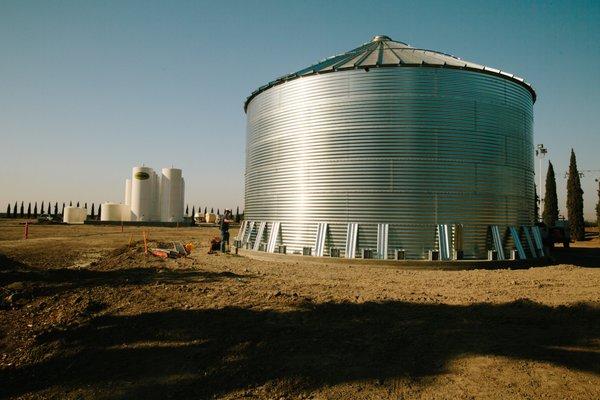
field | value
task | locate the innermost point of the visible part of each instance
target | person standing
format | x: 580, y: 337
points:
x: 224, y: 223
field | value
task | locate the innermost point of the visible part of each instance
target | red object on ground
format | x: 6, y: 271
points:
x: 159, y: 253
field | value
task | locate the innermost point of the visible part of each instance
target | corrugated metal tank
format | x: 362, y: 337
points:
x: 368, y: 140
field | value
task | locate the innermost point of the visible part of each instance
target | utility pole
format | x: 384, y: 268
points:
x: 540, y: 153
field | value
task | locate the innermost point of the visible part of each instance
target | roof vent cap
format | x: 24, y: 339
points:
x: 380, y: 38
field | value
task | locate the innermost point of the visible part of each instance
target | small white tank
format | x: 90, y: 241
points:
x: 143, y: 186
x: 75, y: 215
x: 210, y: 218
x: 115, y: 212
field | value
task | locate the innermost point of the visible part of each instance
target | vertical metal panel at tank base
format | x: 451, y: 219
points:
x: 415, y: 241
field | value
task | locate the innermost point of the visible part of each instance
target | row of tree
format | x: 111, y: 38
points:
x: 574, y: 200
x: 238, y: 216
x: 33, y: 212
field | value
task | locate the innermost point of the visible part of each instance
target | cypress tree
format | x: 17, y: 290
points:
x: 212, y: 210
x: 22, y: 210
x: 204, y: 210
x: 218, y: 211
x: 187, y: 210
x: 29, y: 210
x: 70, y: 204
x: 85, y: 206
x: 550, y: 213
x: 15, y: 210
x: 35, y: 210
x: 93, y: 215
x: 62, y: 211
x: 598, y: 208
x: 193, y: 215
x: 77, y: 204
x: 42, y: 209
x: 575, y: 201
x: 237, y: 214
x: 8, y: 213
x: 56, y: 209
x: 99, y: 211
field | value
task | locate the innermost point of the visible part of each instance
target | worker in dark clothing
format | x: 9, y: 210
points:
x: 225, y: 221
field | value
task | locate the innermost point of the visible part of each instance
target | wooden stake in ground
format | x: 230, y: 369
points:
x: 145, y: 243
x: 26, y: 235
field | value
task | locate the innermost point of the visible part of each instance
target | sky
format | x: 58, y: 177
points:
x: 88, y: 89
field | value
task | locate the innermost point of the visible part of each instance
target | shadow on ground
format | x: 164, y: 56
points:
x: 588, y: 257
x: 202, y: 353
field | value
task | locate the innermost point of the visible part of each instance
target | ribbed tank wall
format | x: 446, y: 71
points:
x: 412, y: 147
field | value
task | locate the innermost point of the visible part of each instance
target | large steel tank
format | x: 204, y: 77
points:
x: 387, y: 133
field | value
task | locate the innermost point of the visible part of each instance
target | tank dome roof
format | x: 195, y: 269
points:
x: 382, y: 51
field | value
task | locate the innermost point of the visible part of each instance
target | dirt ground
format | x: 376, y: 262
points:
x: 85, y: 315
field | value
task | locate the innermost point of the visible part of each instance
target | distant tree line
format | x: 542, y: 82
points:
x: 237, y: 216
x: 19, y: 211
x: 33, y: 211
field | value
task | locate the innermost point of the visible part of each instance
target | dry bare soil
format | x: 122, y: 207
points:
x: 85, y: 315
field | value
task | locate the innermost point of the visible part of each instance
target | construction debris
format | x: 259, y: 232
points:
x: 172, y: 250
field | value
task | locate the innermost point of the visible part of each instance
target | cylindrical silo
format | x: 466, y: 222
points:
x: 142, y: 194
x: 391, y: 134
x: 171, y: 195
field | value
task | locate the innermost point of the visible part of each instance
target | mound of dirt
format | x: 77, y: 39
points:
x: 133, y: 256
x: 128, y: 257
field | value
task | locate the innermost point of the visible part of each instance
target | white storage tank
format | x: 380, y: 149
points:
x: 115, y: 212
x: 128, y: 192
x: 143, y: 187
x: 171, y: 195
x: 75, y: 215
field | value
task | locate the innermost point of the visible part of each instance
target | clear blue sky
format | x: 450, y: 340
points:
x: 90, y: 88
